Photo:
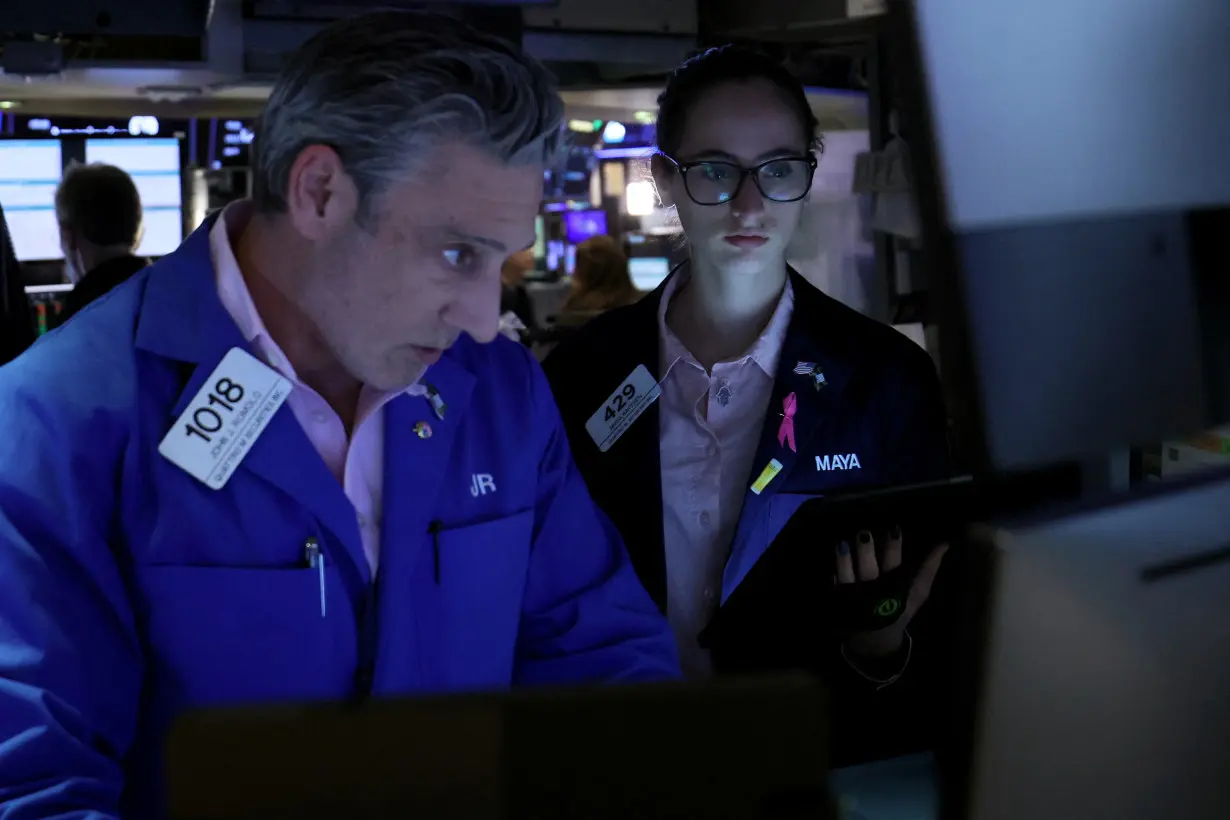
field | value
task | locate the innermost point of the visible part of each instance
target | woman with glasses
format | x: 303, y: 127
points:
x: 770, y: 392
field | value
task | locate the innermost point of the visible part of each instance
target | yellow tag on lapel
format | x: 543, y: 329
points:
x: 769, y: 472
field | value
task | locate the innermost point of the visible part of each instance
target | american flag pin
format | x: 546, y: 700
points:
x: 805, y: 368
x: 436, y: 402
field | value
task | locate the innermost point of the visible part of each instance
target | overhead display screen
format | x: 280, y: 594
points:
x: 29, y: 175
x: 154, y: 166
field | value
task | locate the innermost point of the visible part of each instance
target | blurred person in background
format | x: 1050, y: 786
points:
x: 99, y: 211
x: 294, y: 460
x: 600, y: 282
x: 516, y: 309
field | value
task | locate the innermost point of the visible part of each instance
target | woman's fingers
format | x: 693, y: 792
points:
x: 868, y: 567
x: 892, y: 550
x: 845, y: 564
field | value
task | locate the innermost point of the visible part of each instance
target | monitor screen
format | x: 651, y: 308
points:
x: 571, y: 179
x: 227, y: 143
x: 1054, y: 257
x: 47, y: 302
x: 648, y: 272
x: 154, y: 166
x: 29, y: 175
x: 540, y: 238
x: 555, y: 254
x: 581, y: 225
x: 630, y: 134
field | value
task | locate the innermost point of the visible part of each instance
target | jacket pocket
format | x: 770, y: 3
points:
x: 240, y: 635
x: 483, y: 570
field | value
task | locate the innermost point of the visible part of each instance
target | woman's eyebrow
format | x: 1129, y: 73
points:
x: 715, y: 154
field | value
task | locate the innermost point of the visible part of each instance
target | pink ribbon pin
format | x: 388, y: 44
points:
x: 785, y: 433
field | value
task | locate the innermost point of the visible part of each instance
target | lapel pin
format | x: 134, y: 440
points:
x: 436, y: 401
x: 785, y: 433
x: 817, y: 379
x: 769, y: 472
x: 422, y: 429
x: 804, y: 368
x: 723, y: 394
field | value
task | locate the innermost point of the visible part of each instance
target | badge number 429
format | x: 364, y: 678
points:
x: 626, y: 394
x: 622, y: 408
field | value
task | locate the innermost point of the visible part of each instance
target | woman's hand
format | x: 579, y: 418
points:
x: 862, y: 567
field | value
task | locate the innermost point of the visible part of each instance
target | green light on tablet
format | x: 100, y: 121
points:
x: 888, y: 607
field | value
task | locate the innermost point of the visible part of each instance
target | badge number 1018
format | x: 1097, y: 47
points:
x: 224, y: 418
x: 207, y: 420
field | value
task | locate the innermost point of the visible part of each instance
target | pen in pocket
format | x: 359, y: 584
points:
x: 315, y: 558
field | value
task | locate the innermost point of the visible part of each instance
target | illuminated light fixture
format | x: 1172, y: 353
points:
x: 640, y: 198
x: 614, y: 132
x: 147, y: 126
x: 645, y: 117
x: 582, y: 126
x: 9, y: 105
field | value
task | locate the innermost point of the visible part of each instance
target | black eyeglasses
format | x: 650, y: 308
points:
x: 713, y: 182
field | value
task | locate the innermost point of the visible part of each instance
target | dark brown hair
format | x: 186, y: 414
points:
x: 718, y: 66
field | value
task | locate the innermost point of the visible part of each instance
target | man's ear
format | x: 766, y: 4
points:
x: 664, y: 173
x: 320, y: 195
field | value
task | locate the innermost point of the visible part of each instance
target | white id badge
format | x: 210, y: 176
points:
x: 623, y: 407
x: 225, y: 418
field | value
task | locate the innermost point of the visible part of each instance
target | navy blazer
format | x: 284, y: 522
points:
x: 877, y: 419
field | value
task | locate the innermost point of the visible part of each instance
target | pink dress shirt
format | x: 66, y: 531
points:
x: 358, y: 460
x: 709, y: 426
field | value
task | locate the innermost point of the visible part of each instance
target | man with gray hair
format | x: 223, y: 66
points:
x: 99, y: 211
x: 293, y: 460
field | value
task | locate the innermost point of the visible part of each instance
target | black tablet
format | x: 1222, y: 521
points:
x: 927, y: 515
x: 783, y: 608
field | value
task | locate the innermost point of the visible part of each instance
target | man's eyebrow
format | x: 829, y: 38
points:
x: 462, y: 236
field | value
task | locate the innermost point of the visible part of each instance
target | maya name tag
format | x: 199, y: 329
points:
x: 225, y: 418
x: 623, y: 407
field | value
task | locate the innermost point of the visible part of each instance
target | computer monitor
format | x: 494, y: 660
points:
x: 230, y: 142
x: 581, y: 225
x: 30, y: 172
x: 1075, y: 203
x: 648, y: 272
x: 47, y: 303
x: 1104, y: 674
x: 734, y: 749
x: 154, y: 165
x: 555, y: 255
x: 540, y: 238
x: 570, y: 180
